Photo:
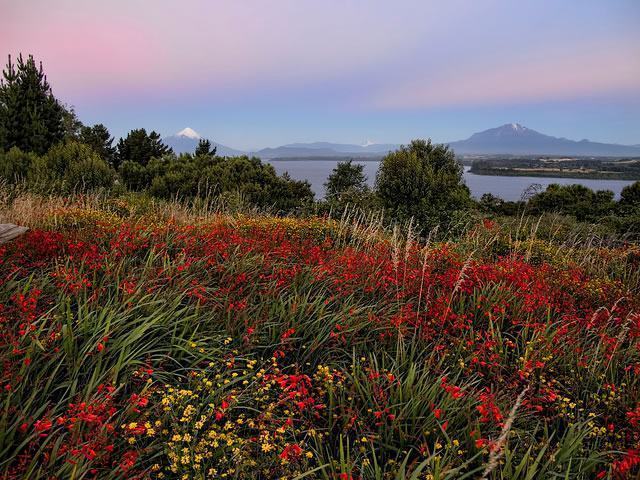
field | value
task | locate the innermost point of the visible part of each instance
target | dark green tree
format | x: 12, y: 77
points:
x: 140, y: 147
x: 190, y: 176
x: 630, y: 196
x: 423, y: 181
x: 72, y: 124
x: 490, y: 203
x: 30, y: 116
x: 101, y: 141
x: 629, y: 210
x: 204, y: 148
x: 345, y: 177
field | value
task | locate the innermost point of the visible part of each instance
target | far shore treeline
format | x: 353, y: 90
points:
x: 45, y: 148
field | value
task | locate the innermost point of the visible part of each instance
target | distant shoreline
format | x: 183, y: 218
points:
x: 503, y: 172
x: 318, y: 159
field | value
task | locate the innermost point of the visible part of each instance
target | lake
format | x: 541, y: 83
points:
x: 507, y: 188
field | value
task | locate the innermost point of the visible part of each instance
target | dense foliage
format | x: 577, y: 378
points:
x: 576, y: 200
x: 31, y: 119
x: 256, y: 347
x: 140, y: 147
x: 207, y: 175
x: 422, y: 181
x: 101, y: 142
x: 346, y: 177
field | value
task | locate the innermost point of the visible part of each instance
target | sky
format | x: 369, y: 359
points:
x: 255, y: 73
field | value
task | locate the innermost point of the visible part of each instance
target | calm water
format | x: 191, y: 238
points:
x: 508, y: 188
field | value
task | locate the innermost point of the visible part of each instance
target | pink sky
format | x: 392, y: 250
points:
x: 305, y: 63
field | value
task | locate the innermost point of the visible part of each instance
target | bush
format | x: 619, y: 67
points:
x: 190, y: 176
x: 345, y: 177
x: 576, y: 200
x: 89, y: 174
x: 630, y: 197
x: 70, y: 166
x: 15, y: 164
x: 134, y: 175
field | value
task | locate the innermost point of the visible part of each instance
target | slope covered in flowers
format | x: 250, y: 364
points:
x: 266, y: 348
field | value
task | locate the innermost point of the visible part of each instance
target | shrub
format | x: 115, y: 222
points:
x: 15, y: 164
x: 576, y: 200
x: 70, y: 166
x: 345, y: 177
x: 190, y: 176
x: 630, y: 196
x: 89, y: 174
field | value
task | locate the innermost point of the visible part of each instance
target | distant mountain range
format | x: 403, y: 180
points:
x: 511, y: 138
x: 326, y: 149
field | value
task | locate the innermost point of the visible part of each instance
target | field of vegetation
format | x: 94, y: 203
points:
x: 143, y: 339
x: 572, y: 167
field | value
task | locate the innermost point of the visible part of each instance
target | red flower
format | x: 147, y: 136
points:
x: 291, y: 451
x: 128, y: 461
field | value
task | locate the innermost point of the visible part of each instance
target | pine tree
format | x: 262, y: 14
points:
x: 346, y: 176
x: 101, y: 141
x: 204, y: 148
x: 30, y: 116
x: 140, y: 147
x: 72, y: 124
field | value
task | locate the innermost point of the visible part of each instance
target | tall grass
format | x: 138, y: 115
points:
x: 162, y: 339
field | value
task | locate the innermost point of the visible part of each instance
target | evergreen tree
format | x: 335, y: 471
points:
x: 140, y: 147
x: 101, y: 141
x: 30, y: 116
x: 204, y: 148
x: 72, y: 124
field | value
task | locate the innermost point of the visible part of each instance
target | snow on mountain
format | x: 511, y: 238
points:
x: 189, y: 133
x: 186, y: 141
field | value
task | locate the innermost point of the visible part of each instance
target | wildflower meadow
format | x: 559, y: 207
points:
x: 183, y: 345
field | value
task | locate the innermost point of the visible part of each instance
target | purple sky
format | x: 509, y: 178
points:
x: 250, y: 73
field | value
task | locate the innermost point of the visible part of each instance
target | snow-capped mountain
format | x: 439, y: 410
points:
x: 513, y: 138
x: 186, y: 141
x: 189, y: 133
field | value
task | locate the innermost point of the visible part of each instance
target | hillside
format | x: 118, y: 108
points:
x: 190, y: 344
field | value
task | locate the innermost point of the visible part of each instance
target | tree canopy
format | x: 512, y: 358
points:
x: 346, y: 176
x: 101, y: 141
x: 204, y: 148
x: 30, y: 116
x: 140, y: 147
x: 422, y: 181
